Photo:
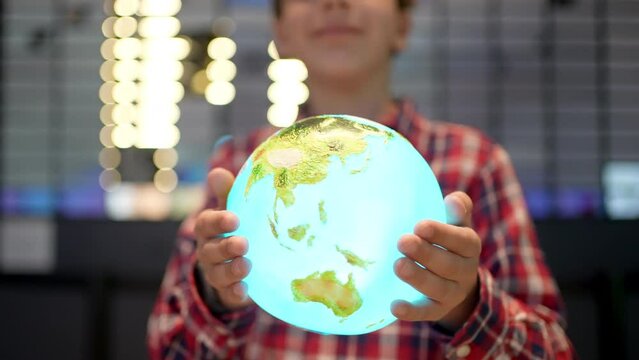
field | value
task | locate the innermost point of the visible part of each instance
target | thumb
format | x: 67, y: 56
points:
x: 220, y: 182
x: 459, y: 209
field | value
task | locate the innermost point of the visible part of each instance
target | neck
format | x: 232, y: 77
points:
x: 369, y: 98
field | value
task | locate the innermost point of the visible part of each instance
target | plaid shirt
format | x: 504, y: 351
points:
x: 518, y: 314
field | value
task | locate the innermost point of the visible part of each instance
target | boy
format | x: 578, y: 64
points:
x: 492, y: 294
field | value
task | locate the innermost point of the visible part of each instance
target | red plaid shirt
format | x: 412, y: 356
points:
x: 518, y: 314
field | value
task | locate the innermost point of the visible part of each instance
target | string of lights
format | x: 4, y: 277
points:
x: 220, y: 71
x: 143, y: 67
x: 141, y: 90
x: 287, y: 90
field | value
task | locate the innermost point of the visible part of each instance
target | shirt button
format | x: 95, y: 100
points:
x: 462, y: 351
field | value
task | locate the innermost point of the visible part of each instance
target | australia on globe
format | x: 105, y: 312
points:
x: 322, y: 204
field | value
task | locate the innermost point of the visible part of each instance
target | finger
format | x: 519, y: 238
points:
x: 234, y: 294
x: 463, y: 241
x: 212, y: 223
x: 218, y: 251
x: 459, y: 209
x: 446, y: 264
x: 226, y: 274
x: 423, y: 280
x: 431, y: 311
x: 220, y: 181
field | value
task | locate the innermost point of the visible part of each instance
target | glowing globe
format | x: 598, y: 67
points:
x: 322, y: 204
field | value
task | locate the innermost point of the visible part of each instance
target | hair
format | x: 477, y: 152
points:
x: 401, y: 4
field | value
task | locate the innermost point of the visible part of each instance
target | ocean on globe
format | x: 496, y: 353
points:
x: 322, y: 205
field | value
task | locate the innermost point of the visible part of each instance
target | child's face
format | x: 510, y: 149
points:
x: 341, y: 38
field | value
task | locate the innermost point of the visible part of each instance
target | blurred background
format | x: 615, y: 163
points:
x: 92, y: 191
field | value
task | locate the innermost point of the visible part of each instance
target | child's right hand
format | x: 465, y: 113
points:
x: 221, y: 259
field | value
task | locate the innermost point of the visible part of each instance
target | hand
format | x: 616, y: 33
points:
x: 447, y: 277
x: 221, y: 258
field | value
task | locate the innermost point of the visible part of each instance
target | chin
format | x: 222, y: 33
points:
x: 336, y: 67
x: 339, y: 73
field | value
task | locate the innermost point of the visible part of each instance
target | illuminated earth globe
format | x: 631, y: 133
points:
x: 322, y: 204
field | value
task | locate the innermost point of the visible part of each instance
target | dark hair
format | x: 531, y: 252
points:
x: 277, y: 6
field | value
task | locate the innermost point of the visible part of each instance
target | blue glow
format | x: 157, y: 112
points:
x: 366, y: 212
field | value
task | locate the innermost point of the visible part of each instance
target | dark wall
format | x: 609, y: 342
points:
x: 96, y: 304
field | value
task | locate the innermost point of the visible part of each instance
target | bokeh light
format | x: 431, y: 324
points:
x: 125, y: 92
x: 124, y: 136
x: 165, y: 158
x: 106, y: 114
x: 106, y: 70
x: 199, y: 81
x: 172, y: 48
x: 282, y: 115
x: 124, y: 113
x: 161, y: 114
x: 221, y: 70
x: 159, y: 27
x: 224, y: 26
x: 160, y: 7
x: 110, y: 158
x: 287, y: 70
x: 110, y: 179
x: 272, y: 50
x: 157, y: 137
x: 105, y: 136
x: 221, y: 48
x: 220, y: 93
x: 107, y: 27
x: 126, y: 70
x: 288, y: 92
x: 161, y: 91
x: 165, y: 180
x: 124, y: 27
x: 106, y: 92
x: 125, y: 7
x: 107, y: 49
x: 127, y: 48
x: 164, y: 69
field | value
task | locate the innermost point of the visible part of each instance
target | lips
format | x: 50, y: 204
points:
x: 337, y: 30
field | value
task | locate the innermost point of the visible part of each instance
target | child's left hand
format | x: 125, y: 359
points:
x: 447, y: 277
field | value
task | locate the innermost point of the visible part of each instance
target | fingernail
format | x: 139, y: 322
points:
x: 427, y: 230
x: 407, y: 246
x: 230, y: 222
x: 233, y: 248
x: 239, y: 248
x: 403, y: 267
x: 451, y: 217
x: 406, y: 268
x: 454, y: 211
x: 238, y: 289
x: 398, y: 308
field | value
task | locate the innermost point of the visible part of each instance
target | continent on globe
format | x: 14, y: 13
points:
x: 325, y: 288
x: 302, y: 154
x: 298, y: 233
x: 353, y: 259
